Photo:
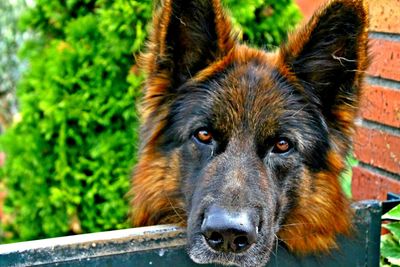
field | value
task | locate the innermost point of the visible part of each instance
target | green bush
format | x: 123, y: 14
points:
x: 264, y: 23
x: 70, y: 156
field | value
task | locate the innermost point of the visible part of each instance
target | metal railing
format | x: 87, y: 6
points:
x: 164, y: 245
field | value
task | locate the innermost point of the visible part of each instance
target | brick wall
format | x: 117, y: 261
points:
x: 377, y: 138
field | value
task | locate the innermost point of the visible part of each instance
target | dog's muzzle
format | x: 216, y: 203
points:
x: 229, y: 231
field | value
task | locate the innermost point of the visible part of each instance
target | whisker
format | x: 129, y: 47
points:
x: 294, y: 224
x: 174, y: 209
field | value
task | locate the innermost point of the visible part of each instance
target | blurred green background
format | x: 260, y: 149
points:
x: 68, y: 107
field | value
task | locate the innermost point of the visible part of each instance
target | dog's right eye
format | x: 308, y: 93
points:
x: 281, y: 146
x: 203, y: 135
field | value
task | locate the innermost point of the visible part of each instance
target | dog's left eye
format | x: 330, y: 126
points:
x: 282, y: 145
x: 203, y: 136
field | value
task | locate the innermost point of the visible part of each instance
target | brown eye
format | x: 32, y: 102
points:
x: 281, y: 146
x: 204, y: 136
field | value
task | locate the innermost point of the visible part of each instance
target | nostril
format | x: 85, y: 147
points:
x: 215, y: 239
x: 241, y: 243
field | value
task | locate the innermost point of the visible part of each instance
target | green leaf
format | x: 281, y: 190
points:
x: 389, y: 247
x: 394, y: 228
x: 393, y: 214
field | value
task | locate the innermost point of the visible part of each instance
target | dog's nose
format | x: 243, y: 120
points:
x: 228, y: 231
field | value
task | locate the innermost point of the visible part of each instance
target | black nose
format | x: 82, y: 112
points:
x: 228, y: 231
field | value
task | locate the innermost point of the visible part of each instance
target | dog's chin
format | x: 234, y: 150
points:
x: 257, y: 255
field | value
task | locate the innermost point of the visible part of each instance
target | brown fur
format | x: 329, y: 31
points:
x: 319, y: 215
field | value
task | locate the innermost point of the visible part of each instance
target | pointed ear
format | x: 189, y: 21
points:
x: 187, y: 35
x: 329, y: 57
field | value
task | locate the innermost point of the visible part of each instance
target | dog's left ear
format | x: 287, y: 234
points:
x: 329, y: 57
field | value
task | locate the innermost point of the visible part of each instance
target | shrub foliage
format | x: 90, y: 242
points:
x: 70, y: 155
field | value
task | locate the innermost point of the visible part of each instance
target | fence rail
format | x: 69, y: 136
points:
x: 164, y: 245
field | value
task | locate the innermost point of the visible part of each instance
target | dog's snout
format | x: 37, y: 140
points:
x: 229, y: 231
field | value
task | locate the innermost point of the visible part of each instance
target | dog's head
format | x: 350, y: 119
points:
x: 245, y: 145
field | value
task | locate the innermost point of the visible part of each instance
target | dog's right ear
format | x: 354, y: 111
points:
x: 187, y: 36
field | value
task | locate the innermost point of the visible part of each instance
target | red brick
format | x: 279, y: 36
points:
x: 385, y: 59
x: 368, y: 185
x: 381, y: 104
x: 378, y: 148
x: 385, y: 15
x: 308, y: 7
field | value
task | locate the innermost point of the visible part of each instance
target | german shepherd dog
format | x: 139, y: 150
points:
x: 245, y: 146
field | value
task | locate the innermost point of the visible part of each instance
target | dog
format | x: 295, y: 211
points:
x: 243, y: 146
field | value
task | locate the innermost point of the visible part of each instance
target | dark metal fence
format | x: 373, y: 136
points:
x: 164, y: 245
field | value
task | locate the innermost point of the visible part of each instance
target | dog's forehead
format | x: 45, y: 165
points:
x: 252, y: 95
